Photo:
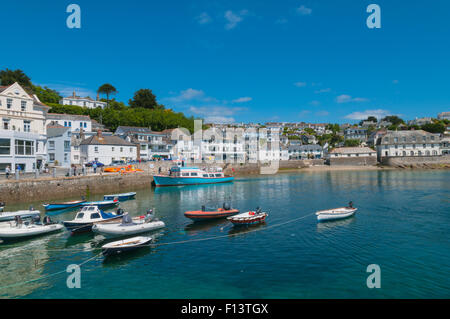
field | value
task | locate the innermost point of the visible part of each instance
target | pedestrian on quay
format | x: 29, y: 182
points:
x: 7, y: 171
x: 74, y: 170
x: 94, y: 166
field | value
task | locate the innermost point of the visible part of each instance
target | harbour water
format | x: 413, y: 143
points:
x: 402, y: 225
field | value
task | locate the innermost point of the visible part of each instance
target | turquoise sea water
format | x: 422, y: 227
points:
x: 402, y: 225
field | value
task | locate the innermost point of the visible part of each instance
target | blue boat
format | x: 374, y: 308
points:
x: 120, y: 197
x: 102, y: 204
x: 190, y: 176
x: 65, y: 205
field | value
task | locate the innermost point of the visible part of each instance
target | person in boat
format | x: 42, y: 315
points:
x: 126, y: 219
x: 226, y: 206
x: 119, y: 211
x: 36, y: 220
x: 258, y: 210
x: 47, y: 220
x: 350, y: 204
x: 18, y: 220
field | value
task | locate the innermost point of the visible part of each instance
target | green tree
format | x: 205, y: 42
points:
x: 434, y: 127
x: 146, y: 99
x: 395, y: 120
x: 352, y: 143
x: 8, y: 77
x: 107, y: 89
x: 46, y: 95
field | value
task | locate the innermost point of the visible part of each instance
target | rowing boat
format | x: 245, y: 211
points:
x: 126, y: 245
x: 335, y: 213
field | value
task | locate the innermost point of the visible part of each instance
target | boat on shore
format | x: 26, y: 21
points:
x: 209, y: 214
x: 249, y: 218
x: 121, y: 197
x: 129, y: 226
x: 335, y: 213
x: 126, y: 245
x: 190, y: 176
x: 90, y: 215
x: 8, y: 216
x: 103, y: 204
x: 64, y: 205
x: 21, y: 229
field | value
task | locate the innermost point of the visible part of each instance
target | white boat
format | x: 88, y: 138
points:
x: 336, y: 213
x: 7, y: 216
x: 126, y: 245
x: 90, y: 215
x: 248, y: 218
x: 27, y: 229
x: 128, y: 226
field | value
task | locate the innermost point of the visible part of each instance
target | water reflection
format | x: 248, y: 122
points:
x: 329, y: 225
x: 196, y: 227
x: 242, y: 230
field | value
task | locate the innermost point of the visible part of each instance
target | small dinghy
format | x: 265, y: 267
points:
x: 8, y: 216
x: 336, y: 213
x: 249, y: 218
x: 65, y: 205
x: 122, y: 246
x: 120, y: 197
x: 20, y: 229
x: 103, y: 204
x: 208, y: 214
x: 90, y: 215
x: 130, y: 226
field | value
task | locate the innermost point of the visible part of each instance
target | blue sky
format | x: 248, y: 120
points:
x: 251, y: 61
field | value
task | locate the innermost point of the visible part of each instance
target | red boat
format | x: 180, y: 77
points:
x: 209, y: 214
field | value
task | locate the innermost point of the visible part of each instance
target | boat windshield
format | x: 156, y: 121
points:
x: 80, y: 215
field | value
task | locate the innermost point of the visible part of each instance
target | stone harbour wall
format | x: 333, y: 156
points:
x: 418, y: 161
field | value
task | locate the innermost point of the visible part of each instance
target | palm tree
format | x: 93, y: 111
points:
x: 107, y: 89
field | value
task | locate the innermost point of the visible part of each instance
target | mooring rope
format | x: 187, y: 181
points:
x: 169, y: 243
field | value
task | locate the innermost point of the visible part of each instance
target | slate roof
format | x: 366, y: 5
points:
x: 106, y: 140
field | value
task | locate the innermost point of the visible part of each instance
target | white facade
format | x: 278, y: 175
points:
x: 22, y: 130
x: 74, y: 122
x: 444, y: 116
x: 409, y: 143
x: 82, y: 101
x: 59, y: 146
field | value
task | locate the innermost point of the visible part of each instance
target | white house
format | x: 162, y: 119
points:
x: 82, y: 101
x: 444, y: 116
x: 59, y: 145
x: 22, y: 130
x: 106, y: 149
x: 408, y: 143
x: 352, y: 156
x: 305, y: 151
x: 74, y: 122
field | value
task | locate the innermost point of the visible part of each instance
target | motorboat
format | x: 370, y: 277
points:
x: 103, y: 204
x: 248, y: 218
x: 122, y: 246
x: 7, y: 216
x: 190, y: 176
x: 24, y: 229
x: 209, y: 214
x: 121, y: 197
x: 64, y: 205
x: 335, y: 213
x: 90, y: 215
x: 129, y: 226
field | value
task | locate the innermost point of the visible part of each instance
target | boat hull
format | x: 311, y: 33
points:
x: 110, y: 249
x: 83, y: 227
x: 120, y: 197
x: 248, y: 220
x: 26, y: 232
x: 324, y: 216
x: 197, y: 216
x: 104, y: 204
x: 161, y: 180
x: 61, y: 206
x: 115, y: 230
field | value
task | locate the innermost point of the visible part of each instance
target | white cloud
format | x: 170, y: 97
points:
x: 304, y: 11
x: 68, y: 89
x: 281, y: 21
x: 242, y: 99
x: 379, y: 113
x: 304, y: 113
x: 322, y: 91
x: 216, y: 114
x: 322, y: 113
x: 190, y: 94
x: 315, y: 103
x: 300, y: 84
x: 234, y: 18
x: 344, y: 98
x: 203, y: 18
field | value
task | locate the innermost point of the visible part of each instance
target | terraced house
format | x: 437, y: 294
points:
x: 408, y: 144
x: 22, y: 130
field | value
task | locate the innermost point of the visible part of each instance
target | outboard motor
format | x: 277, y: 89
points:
x: 120, y: 211
x: 258, y: 210
x: 350, y: 204
x: 126, y: 219
x: 226, y: 206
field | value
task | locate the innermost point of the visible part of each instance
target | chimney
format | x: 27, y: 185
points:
x: 74, y: 93
x: 82, y: 134
x: 98, y: 96
x: 99, y: 134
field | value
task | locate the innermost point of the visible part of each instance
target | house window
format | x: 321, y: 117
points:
x: 85, y: 124
x: 81, y: 124
x: 51, y: 145
x: 9, y: 103
x: 5, y: 146
x: 76, y: 157
x: 26, y: 126
x: 65, y: 123
x: 66, y: 146
x: 24, y: 147
x: 112, y: 148
x: 121, y: 149
x: 96, y: 149
x: 51, y: 157
x: 66, y: 157
x: 131, y: 150
x: 23, y: 106
x: 6, y: 124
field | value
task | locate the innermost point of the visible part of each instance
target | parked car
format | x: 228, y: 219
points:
x: 118, y: 163
x: 90, y: 164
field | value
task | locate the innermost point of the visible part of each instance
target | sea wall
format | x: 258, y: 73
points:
x: 353, y: 161
x: 52, y: 188
x: 418, y: 161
